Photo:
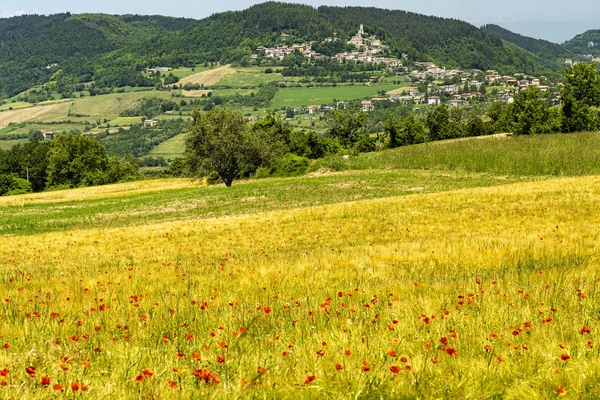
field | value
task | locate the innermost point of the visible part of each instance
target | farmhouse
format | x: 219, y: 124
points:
x: 313, y: 109
x: 158, y: 69
x: 367, y: 105
x: 48, y: 135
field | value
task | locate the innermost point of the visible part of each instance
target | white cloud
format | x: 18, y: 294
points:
x: 8, y: 14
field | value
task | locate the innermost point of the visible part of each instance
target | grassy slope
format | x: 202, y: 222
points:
x: 110, y: 105
x: 249, y: 197
x: 428, y: 168
x: 294, y: 97
x: 404, y: 294
x: 557, y: 155
x: 171, y: 149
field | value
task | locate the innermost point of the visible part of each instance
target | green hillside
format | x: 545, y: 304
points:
x: 114, y: 50
x: 586, y: 43
x: 542, y: 48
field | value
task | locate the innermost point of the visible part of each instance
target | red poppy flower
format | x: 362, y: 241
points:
x: 321, y: 352
x: 30, y: 371
x: 395, y: 369
x: 565, y: 357
x: 172, y: 384
x: 58, y: 388
x: 46, y: 380
x: 339, y: 367
x: 309, y: 379
x: 584, y: 330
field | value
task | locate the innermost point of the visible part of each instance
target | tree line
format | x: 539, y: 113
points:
x: 66, y: 162
x: 223, y: 145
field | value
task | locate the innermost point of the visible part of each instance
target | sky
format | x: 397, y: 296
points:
x: 554, y: 20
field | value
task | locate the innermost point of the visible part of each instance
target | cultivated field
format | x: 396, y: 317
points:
x: 208, y: 78
x: 38, y: 113
x: 488, y: 292
x: 294, y: 97
x: 171, y: 149
x: 393, y: 279
x: 110, y: 105
x: 253, y: 77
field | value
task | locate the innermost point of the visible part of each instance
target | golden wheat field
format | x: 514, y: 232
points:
x: 208, y: 78
x: 477, y: 293
x: 46, y: 113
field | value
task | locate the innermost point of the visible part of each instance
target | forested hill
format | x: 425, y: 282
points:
x: 101, y: 47
x: 30, y: 44
x: 542, y: 48
x: 586, y: 43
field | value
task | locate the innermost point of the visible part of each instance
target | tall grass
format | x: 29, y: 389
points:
x: 545, y: 155
x: 480, y: 293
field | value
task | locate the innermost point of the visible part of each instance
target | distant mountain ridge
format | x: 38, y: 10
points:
x: 89, y: 47
x: 585, y: 43
x: 542, y: 48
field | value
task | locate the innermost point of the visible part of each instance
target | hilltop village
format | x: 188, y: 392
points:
x: 437, y: 84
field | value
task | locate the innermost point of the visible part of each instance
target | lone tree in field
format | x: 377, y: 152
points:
x: 218, y: 143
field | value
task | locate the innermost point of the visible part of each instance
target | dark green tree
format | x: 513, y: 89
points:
x: 75, y: 160
x: 580, y: 93
x: 529, y: 113
x: 403, y: 131
x: 346, y: 125
x: 218, y: 142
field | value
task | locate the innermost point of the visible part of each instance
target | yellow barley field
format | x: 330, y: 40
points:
x: 208, y: 78
x: 38, y: 113
x: 479, y: 293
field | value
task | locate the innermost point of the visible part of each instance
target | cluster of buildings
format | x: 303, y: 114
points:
x: 281, y: 51
x: 368, y: 50
x: 430, y: 70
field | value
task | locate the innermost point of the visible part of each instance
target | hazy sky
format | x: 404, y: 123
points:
x: 548, y: 19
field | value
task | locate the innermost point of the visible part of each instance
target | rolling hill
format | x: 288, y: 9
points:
x: 542, y: 48
x: 586, y: 43
x: 98, y: 47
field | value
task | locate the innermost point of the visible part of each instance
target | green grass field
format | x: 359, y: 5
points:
x: 8, y: 144
x: 252, y: 78
x: 548, y: 155
x: 56, y: 128
x: 187, y: 71
x: 14, y: 106
x: 295, y: 97
x: 109, y: 106
x: 171, y: 149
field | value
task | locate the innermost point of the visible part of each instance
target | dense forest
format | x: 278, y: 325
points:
x: 586, y: 43
x: 542, y: 48
x: 114, y: 50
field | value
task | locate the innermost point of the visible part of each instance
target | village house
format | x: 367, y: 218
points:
x: 159, y: 69
x: 151, y: 122
x: 313, y: 109
x: 457, y: 102
x: 434, y: 101
x: 367, y: 105
x: 48, y: 135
